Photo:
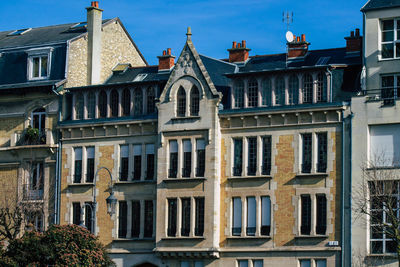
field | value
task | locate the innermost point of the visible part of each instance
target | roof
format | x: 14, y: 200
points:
x: 42, y: 35
x: 380, y: 4
x: 138, y: 74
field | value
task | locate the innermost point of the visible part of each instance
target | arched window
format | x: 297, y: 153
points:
x: 238, y: 94
x: 126, y: 102
x: 321, y: 87
x: 194, y: 101
x: 102, y: 104
x: 181, y: 103
x: 307, y: 88
x: 138, y: 102
x: 266, y: 92
x: 114, y: 103
x: 91, y: 105
x: 293, y: 89
x: 151, y: 103
x: 280, y: 90
x: 79, y: 106
x: 252, y: 93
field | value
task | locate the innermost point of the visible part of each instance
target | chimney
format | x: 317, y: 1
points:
x: 239, y: 52
x: 354, y: 42
x: 166, y: 61
x: 94, y: 23
x: 298, y: 47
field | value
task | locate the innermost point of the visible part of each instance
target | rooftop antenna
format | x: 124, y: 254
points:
x: 288, y: 19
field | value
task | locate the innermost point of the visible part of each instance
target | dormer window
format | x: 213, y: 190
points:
x: 39, y: 63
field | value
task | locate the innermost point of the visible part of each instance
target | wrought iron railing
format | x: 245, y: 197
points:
x: 32, y: 193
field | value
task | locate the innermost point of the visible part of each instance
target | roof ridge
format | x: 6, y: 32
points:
x: 219, y: 60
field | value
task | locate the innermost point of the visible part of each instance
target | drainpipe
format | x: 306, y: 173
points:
x: 350, y: 181
x: 58, y: 167
x: 342, y: 193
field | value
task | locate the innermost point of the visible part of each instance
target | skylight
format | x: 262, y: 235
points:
x: 19, y: 32
x: 140, y: 77
x: 81, y: 24
x: 322, y: 61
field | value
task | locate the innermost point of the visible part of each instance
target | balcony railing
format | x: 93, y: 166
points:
x: 32, y: 137
x: 30, y: 193
x: 386, y: 95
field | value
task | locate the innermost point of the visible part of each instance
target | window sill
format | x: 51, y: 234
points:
x: 387, y: 59
x: 249, y: 237
x: 194, y: 179
x: 187, y: 118
x: 387, y: 256
x: 134, y: 239
x: 255, y: 177
x: 311, y: 236
x: 135, y: 182
x: 314, y: 174
x: 32, y: 79
x: 80, y: 184
x: 183, y: 238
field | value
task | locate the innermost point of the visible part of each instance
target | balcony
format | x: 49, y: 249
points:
x: 32, y: 137
x: 32, y: 193
x: 386, y: 95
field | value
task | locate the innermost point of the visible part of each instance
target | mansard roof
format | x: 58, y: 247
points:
x: 380, y: 4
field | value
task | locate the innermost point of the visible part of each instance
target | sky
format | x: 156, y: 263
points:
x: 156, y: 25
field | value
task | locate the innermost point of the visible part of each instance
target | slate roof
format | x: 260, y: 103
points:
x: 150, y: 74
x: 380, y: 4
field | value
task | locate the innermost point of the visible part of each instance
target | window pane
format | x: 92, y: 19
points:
x: 398, y: 52
x: 307, y: 88
x: 321, y: 87
x: 384, y: 145
x: 237, y: 216
x: 138, y: 102
x: 102, y: 104
x: 173, y: 159
x: 266, y: 92
x: 181, y: 103
x: 185, y: 264
x: 387, y: 50
x: 305, y: 227
x: 198, y: 264
x: 76, y: 213
x: 320, y: 263
x: 135, y: 218
x: 185, y: 219
x: 265, y: 215
x: 172, y: 213
x: 89, y: 164
x: 387, y: 36
x: 251, y: 216
x: 257, y: 263
x: 239, y: 94
x: 122, y: 219
x: 387, y: 25
x: 148, y: 218
x: 43, y: 67
x: 305, y: 263
x: 79, y: 106
x: 321, y: 215
x: 114, y: 103
x: 126, y: 102
x: 151, y: 103
x: 252, y: 93
x: 201, y: 157
x: 35, y: 67
x: 293, y: 90
x: 266, y: 159
x: 88, y: 216
x: 279, y: 91
x: 322, y: 152
x: 199, y: 218
x: 237, y: 158
x: 306, y: 153
x: 243, y: 263
x: 91, y: 105
x: 376, y: 247
x: 194, y: 101
x: 252, y: 156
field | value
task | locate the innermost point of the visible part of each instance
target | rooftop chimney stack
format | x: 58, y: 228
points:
x: 166, y: 61
x: 94, y: 23
x: 298, y: 47
x: 239, y: 52
x: 354, y: 42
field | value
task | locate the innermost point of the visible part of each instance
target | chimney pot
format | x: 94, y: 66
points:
x: 169, y: 51
x: 238, y: 45
x: 352, y: 34
x: 357, y: 32
x: 298, y: 39
x: 164, y: 52
x: 303, y: 37
x: 233, y: 44
x: 294, y: 38
x: 95, y: 4
x: 244, y: 43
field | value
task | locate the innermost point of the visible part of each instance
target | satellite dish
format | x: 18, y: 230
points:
x: 289, y: 36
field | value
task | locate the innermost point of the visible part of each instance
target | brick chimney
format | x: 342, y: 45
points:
x: 94, y: 23
x: 298, y: 47
x: 354, y: 42
x: 239, y: 52
x: 166, y: 61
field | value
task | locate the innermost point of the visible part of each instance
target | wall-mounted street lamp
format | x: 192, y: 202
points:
x: 111, y: 201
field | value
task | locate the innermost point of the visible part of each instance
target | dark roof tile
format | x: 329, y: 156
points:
x: 379, y: 4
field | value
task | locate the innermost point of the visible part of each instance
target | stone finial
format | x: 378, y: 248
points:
x: 189, y: 33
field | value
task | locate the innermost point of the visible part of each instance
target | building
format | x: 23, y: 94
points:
x: 38, y: 65
x: 375, y: 126
x: 234, y: 162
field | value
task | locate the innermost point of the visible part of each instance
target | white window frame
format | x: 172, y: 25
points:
x: 395, y: 37
x: 39, y: 53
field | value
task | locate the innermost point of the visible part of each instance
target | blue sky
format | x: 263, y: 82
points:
x: 158, y: 24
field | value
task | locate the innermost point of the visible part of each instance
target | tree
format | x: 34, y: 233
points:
x: 377, y: 200
x: 67, y: 245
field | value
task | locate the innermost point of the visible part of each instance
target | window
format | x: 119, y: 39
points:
x: 322, y: 152
x: 265, y: 215
x: 122, y: 219
x: 78, y: 165
x: 239, y: 94
x: 39, y: 119
x: 321, y: 87
x: 89, y: 164
x: 305, y: 263
x: 252, y: 93
x: 199, y: 217
x: 317, y: 262
x: 266, y: 92
x: 185, y: 230
x: 173, y: 159
x: 102, y: 104
x: 148, y: 218
x: 114, y: 103
x: 280, y: 91
x: 321, y: 215
x: 172, y: 213
x: 384, y: 145
x: 76, y: 213
x: 194, y: 101
x: 200, y: 157
x: 252, y: 156
x: 181, y: 103
x: 390, y: 45
x: 151, y: 100
x: 79, y: 106
x: 137, y: 162
x: 34, y: 189
x: 306, y: 153
x: 305, y: 227
x: 293, y: 93
x: 320, y: 263
x: 126, y: 102
x: 135, y: 228
x: 91, y: 105
x: 237, y: 216
x: 124, y: 165
x: 38, y: 67
x: 138, y: 102
x: 149, y: 161
x: 258, y: 263
x: 266, y: 159
x: 307, y: 89
x: 89, y: 216
x: 390, y: 85
x: 251, y: 216
x: 237, y: 157
x: 384, y: 205
x: 187, y: 158
x: 35, y: 218
x: 243, y: 263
